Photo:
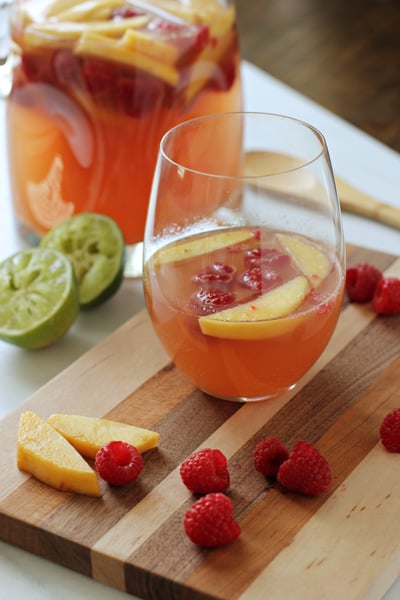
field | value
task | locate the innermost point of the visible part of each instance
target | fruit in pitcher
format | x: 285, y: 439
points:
x: 89, y: 434
x: 45, y: 454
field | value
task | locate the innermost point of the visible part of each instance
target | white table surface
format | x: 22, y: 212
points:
x: 356, y: 157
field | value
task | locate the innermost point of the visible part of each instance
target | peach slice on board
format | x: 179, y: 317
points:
x: 89, y: 434
x: 48, y: 456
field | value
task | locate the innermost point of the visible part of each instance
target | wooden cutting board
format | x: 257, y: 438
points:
x: 343, y: 544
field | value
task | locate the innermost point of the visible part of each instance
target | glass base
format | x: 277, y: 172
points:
x: 244, y: 399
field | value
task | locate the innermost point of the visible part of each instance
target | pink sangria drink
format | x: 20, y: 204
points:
x: 244, y: 313
x: 95, y: 86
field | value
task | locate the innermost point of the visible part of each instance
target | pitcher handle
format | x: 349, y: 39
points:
x: 5, y: 55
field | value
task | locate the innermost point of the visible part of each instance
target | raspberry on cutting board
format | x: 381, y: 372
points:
x: 389, y: 431
x: 306, y: 471
x: 269, y: 455
x: 361, y: 280
x: 210, y: 521
x: 205, y: 471
x: 386, y: 300
x: 119, y: 463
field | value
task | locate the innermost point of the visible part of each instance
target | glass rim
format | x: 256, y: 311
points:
x: 214, y: 116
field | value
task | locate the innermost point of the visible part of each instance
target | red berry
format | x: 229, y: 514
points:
x: 256, y: 257
x: 125, y: 12
x: 269, y: 455
x: 205, y: 471
x: 99, y: 77
x: 209, y: 301
x: 217, y: 275
x: 119, y: 463
x: 139, y: 95
x: 260, y: 279
x: 210, y: 522
x: 361, y: 280
x: 305, y: 471
x: 386, y: 300
x: 390, y: 431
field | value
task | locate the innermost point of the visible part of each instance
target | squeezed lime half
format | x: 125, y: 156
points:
x: 38, y: 297
x: 96, y: 247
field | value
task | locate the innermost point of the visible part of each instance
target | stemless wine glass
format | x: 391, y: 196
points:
x: 244, y: 254
x: 95, y: 85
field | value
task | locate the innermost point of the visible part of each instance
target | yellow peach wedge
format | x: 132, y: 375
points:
x: 89, y: 434
x: 203, y: 245
x: 264, y: 317
x: 314, y: 263
x: 50, y: 458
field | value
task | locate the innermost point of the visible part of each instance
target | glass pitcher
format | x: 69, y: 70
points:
x: 95, y: 85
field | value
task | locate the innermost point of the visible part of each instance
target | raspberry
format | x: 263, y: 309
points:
x: 207, y: 301
x: 260, y: 279
x: 305, y: 471
x: 119, y: 463
x: 205, y: 471
x: 390, y: 431
x: 269, y: 455
x: 210, y: 522
x: 218, y: 275
x: 386, y: 300
x: 361, y: 280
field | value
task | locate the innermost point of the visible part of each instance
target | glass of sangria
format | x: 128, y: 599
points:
x: 95, y: 85
x: 244, y: 257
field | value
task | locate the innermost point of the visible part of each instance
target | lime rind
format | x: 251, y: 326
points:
x: 38, y: 297
x: 96, y: 247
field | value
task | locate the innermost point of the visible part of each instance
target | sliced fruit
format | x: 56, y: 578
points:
x: 89, y: 434
x: 260, y: 318
x: 89, y: 10
x: 138, y: 41
x: 38, y: 297
x: 94, y: 44
x: 311, y: 260
x: 203, y: 245
x: 45, y: 454
x: 96, y: 247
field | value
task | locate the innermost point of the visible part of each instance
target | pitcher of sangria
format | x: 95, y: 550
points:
x: 95, y: 85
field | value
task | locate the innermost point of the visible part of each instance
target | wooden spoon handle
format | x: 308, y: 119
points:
x: 359, y: 203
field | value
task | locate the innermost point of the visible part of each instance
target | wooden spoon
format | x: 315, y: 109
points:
x: 351, y: 199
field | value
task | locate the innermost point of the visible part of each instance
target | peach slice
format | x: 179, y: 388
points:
x: 312, y: 261
x: 45, y: 454
x: 89, y: 434
x: 261, y: 318
x: 102, y: 46
x: 203, y: 245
